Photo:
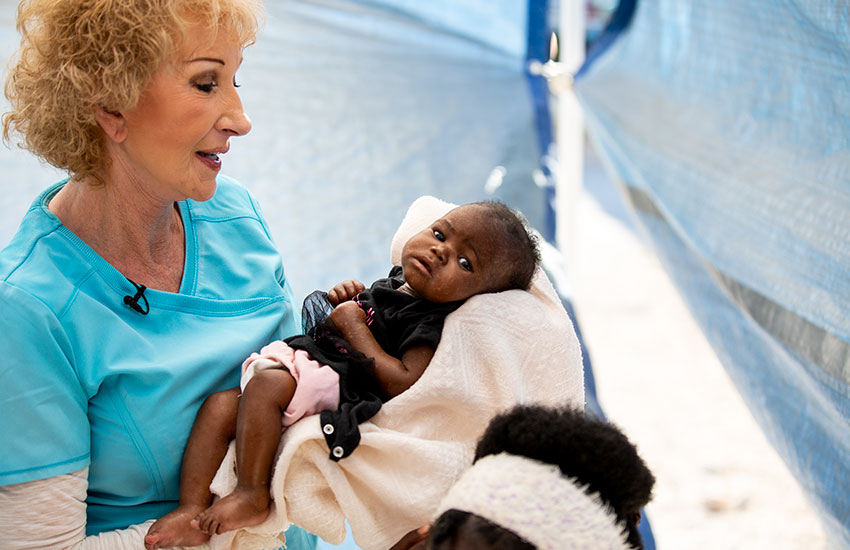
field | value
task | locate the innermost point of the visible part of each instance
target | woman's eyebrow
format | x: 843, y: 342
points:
x: 210, y: 59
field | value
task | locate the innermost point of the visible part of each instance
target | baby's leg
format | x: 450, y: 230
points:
x: 214, y: 427
x: 257, y: 437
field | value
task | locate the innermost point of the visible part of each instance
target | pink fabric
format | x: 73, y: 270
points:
x: 317, y: 385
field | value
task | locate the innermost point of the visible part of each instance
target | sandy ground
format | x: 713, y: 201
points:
x: 719, y: 484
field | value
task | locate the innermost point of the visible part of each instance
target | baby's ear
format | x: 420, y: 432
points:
x: 112, y: 123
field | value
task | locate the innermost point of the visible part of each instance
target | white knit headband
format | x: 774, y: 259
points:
x: 535, y: 501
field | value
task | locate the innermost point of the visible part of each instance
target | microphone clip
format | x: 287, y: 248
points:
x: 133, y: 301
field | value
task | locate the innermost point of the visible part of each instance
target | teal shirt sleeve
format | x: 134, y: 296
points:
x: 291, y: 324
x: 43, y: 405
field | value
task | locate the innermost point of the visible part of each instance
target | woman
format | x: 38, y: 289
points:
x: 133, y: 289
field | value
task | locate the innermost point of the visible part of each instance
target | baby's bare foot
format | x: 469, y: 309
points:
x: 241, y: 508
x: 174, y: 529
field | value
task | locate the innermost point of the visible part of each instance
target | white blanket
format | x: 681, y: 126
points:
x: 496, y: 350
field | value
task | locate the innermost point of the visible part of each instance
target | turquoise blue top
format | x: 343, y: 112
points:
x: 88, y: 381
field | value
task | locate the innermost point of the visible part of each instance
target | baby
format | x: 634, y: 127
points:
x: 547, y: 479
x: 374, y: 345
x: 543, y: 478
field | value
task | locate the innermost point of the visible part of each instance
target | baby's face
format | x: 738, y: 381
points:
x: 453, y: 258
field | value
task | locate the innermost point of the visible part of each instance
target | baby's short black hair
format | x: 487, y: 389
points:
x: 593, y: 453
x: 518, y: 245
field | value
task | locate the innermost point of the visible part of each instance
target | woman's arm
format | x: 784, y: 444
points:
x: 394, y: 375
x: 51, y: 513
x: 46, y: 513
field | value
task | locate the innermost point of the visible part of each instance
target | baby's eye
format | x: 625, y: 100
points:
x: 464, y: 263
x: 439, y: 235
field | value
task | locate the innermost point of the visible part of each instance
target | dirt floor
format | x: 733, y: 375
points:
x: 719, y: 483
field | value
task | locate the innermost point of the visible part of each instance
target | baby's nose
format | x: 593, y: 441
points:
x: 439, y: 250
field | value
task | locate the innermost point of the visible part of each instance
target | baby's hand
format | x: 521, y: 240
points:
x: 345, y: 291
x: 346, y: 316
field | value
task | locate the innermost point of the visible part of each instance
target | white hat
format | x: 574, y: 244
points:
x: 537, y: 502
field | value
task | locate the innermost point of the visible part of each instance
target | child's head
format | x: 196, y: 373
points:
x: 547, y: 478
x: 475, y: 248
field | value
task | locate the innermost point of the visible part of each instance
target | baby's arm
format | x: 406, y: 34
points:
x: 394, y: 375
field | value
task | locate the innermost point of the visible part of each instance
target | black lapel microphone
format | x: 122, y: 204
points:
x: 133, y: 301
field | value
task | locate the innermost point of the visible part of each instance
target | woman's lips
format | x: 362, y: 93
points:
x: 210, y: 159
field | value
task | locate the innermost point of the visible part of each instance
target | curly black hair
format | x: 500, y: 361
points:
x: 594, y: 453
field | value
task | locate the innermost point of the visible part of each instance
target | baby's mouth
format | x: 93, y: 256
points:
x: 425, y: 265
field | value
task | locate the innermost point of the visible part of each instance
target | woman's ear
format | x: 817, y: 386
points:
x: 112, y: 122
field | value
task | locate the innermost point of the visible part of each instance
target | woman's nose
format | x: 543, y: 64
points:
x: 234, y: 120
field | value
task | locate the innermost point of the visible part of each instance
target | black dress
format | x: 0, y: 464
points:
x: 398, y: 321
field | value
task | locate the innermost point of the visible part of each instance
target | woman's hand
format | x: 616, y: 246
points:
x: 345, y: 291
x: 414, y: 540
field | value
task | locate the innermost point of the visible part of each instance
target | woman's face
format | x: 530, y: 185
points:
x: 183, y: 123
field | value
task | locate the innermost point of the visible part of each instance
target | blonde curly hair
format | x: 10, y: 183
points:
x: 76, y: 55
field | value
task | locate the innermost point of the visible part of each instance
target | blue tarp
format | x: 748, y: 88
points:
x: 728, y: 125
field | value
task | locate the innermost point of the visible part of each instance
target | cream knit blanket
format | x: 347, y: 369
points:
x: 497, y: 350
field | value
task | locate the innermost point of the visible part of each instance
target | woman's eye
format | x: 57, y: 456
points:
x: 206, y: 87
x: 439, y: 236
x: 464, y: 263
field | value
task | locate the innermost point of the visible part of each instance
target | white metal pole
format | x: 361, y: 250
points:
x: 569, y: 129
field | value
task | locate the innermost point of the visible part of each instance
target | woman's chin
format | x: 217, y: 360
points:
x: 203, y: 192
